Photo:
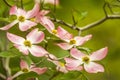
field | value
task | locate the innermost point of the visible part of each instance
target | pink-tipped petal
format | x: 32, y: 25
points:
x: 65, y: 46
x: 63, y: 34
x: 22, y: 49
x: 13, y: 10
x: 32, y: 13
x: 24, y: 26
x: 82, y: 40
x: 21, y: 12
x: 23, y: 65
x: 35, y: 36
x: 48, y: 24
x: 9, y: 25
x: 54, y: 2
x: 43, y: 12
x: 93, y: 67
x: 100, y: 54
x: 72, y: 64
x: 39, y: 70
x: 15, y: 39
x: 76, y: 53
x: 38, y: 51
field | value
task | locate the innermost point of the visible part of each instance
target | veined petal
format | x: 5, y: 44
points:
x: 32, y: 13
x: 15, y: 39
x: 24, y: 26
x: 43, y: 12
x: 21, y: 12
x: 9, y: 25
x: 48, y: 24
x: 54, y: 2
x: 82, y: 40
x: 13, y: 10
x: 35, y: 36
x: 98, y: 55
x: 22, y: 49
x: 93, y: 67
x: 72, y: 64
x: 23, y: 64
x: 76, y: 53
x: 63, y: 34
x: 38, y: 51
x: 39, y: 70
x: 65, y: 46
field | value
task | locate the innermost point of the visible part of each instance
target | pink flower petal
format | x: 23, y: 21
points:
x: 93, y: 67
x: 15, y: 39
x: 13, y: 10
x: 48, y: 24
x: 100, y: 54
x: 43, y: 12
x: 65, y: 46
x: 23, y: 65
x: 63, y: 34
x: 76, y: 53
x: 72, y: 64
x: 38, y: 51
x: 9, y: 25
x: 32, y: 13
x: 22, y: 49
x: 39, y: 70
x: 21, y: 12
x: 24, y: 26
x: 54, y: 2
x: 35, y: 36
x: 82, y: 40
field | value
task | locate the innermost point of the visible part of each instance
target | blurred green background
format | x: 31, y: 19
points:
x: 105, y: 34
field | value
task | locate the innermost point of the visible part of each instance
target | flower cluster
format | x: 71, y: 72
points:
x: 28, y: 19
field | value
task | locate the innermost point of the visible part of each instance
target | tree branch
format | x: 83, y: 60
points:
x: 7, y: 3
x: 78, y: 28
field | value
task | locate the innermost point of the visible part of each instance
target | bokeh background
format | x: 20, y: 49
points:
x: 105, y: 34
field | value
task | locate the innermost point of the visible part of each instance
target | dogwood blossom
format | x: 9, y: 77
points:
x: 88, y: 61
x: 60, y: 66
x: 23, y: 18
x: 26, y: 68
x: 70, y: 40
x: 29, y: 44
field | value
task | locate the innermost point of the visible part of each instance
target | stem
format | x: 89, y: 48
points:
x: 2, y: 76
x: 6, y: 66
x: 22, y: 4
x: 17, y: 74
x: 5, y: 1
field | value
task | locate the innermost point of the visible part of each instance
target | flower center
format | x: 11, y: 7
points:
x: 25, y: 70
x: 86, y: 59
x: 54, y: 31
x: 21, y: 18
x: 27, y: 43
x: 32, y: 19
x: 61, y: 64
x: 72, y: 41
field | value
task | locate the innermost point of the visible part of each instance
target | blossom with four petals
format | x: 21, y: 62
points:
x: 29, y: 44
x: 88, y: 61
x: 70, y: 40
x: 23, y: 18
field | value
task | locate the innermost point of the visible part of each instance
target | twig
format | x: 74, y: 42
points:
x: 22, y: 4
x: 5, y: 1
x: 79, y: 29
x: 2, y: 76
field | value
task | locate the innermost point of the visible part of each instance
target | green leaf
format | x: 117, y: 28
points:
x: 10, y: 53
x: 87, y: 50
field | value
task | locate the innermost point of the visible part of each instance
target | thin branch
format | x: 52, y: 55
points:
x: 5, y: 1
x: 2, y: 76
x: 22, y: 4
